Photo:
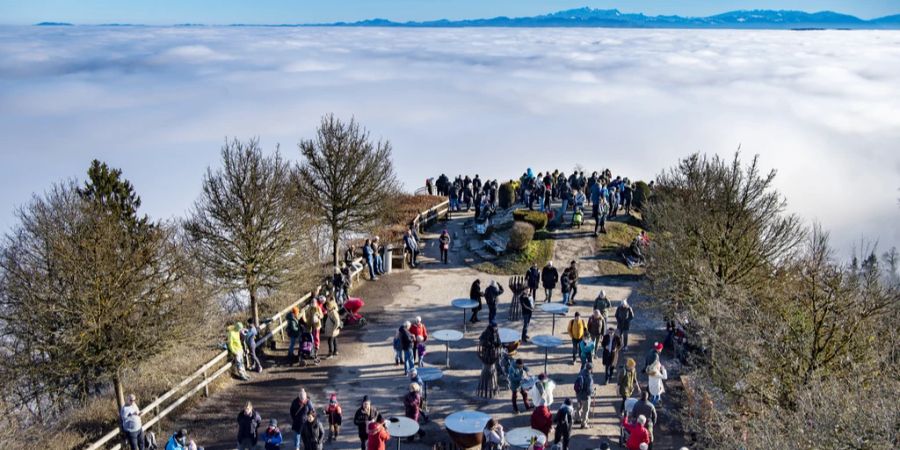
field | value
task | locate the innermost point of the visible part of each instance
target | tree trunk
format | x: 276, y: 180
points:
x: 120, y: 391
x: 254, y: 305
x: 334, y: 248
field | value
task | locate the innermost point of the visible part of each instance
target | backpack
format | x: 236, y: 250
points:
x: 579, y: 384
x: 626, y: 384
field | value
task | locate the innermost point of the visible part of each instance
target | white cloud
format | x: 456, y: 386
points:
x: 821, y: 107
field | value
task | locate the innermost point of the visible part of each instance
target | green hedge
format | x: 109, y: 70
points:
x: 641, y: 194
x: 520, y: 236
x: 507, y: 195
x: 537, y: 219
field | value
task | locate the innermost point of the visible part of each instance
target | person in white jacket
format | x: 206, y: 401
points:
x: 542, y: 391
x: 657, y: 373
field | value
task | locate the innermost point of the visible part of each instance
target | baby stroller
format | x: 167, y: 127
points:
x: 350, y: 311
x: 307, y: 349
x: 578, y: 218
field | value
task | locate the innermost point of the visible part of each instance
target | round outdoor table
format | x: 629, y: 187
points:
x: 546, y: 342
x: 447, y: 336
x: 466, y: 428
x: 464, y: 304
x: 403, y: 427
x: 556, y: 309
x: 521, y: 437
x: 508, y: 335
x: 429, y: 374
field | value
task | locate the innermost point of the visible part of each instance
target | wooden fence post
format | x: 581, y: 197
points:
x: 205, y: 387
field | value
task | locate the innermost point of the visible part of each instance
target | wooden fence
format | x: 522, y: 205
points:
x: 220, y: 364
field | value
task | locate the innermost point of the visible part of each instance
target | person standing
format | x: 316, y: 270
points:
x: 527, y: 303
x: 542, y: 391
x: 533, y: 278
x: 516, y: 375
x: 412, y: 405
x: 250, y: 341
x: 369, y: 257
x: 652, y: 356
x: 624, y: 316
x: 565, y: 286
x: 603, y: 304
x: 445, y: 246
x: 412, y: 247
x: 646, y: 409
x: 491, y: 295
x: 236, y: 351
x: 312, y: 432
x: 584, y: 388
x: 312, y: 320
x: 407, y: 341
x: 657, y: 374
x: 596, y: 329
x: 611, y: 343
x: 541, y: 420
x: 335, y: 417
x: 300, y: 408
x: 272, y: 438
x: 248, y: 421
x: 494, y: 436
x: 420, y: 335
x: 571, y: 273
x: 363, y: 416
x: 549, y: 277
x: 293, y: 331
x: 576, y: 329
x: 475, y: 293
x: 600, y: 210
x: 130, y: 423
x: 563, y: 422
x: 378, y: 254
x: 377, y: 434
x: 332, y: 327
x: 628, y: 382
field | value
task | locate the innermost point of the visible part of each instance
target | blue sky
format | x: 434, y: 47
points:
x: 303, y: 11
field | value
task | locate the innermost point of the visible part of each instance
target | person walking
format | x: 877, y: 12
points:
x: 300, y: 408
x: 406, y: 345
x: 596, y: 329
x: 248, y: 421
x: 475, y: 293
x: 445, y: 246
x: 576, y: 329
x: 335, y: 417
x: 602, y: 304
x: 645, y: 408
x: 542, y: 391
x: 378, y: 434
x: 312, y: 432
x: 571, y: 273
x: 332, y: 327
x: 516, y: 375
x: 533, y: 279
x: 412, y: 405
x: 527, y: 304
x: 272, y: 437
x: 624, y: 316
x: 565, y: 286
x: 420, y: 335
x: 652, y: 356
x: 541, y: 420
x: 584, y: 389
x: 628, y: 382
x: 586, y: 350
x: 130, y: 423
x: 293, y: 331
x: 363, y: 416
x: 637, y: 433
x: 612, y: 344
x: 312, y: 320
x: 491, y: 295
x: 563, y: 422
x: 549, y: 278
x: 657, y: 374
x: 412, y: 247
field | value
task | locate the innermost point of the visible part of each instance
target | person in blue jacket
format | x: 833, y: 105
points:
x: 272, y: 436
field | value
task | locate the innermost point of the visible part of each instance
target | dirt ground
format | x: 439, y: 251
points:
x: 366, y: 367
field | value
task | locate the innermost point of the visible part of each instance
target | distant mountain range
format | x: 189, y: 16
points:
x: 612, y: 18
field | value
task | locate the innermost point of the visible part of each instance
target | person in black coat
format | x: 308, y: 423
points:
x: 491, y: 294
x: 365, y: 414
x: 248, y: 427
x: 533, y: 278
x: 549, y: 277
x: 300, y: 408
x: 563, y: 422
x: 527, y: 304
x: 475, y: 293
x: 312, y: 432
x: 407, y: 340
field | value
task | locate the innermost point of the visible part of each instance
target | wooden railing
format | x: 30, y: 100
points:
x: 422, y: 219
x: 204, y: 374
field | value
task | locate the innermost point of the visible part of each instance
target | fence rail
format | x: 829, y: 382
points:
x: 423, y: 219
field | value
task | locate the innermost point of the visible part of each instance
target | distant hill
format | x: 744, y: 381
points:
x: 613, y: 18
x: 53, y: 24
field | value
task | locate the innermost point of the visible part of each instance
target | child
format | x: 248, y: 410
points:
x: 335, y: 415
x: 420, y: 348
x: 272, y: 436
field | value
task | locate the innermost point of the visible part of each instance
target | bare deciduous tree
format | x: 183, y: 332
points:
x: 345, y: 180
x: 243, y: 228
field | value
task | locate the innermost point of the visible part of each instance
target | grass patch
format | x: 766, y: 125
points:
x: 538, y: 251
x: 618, y: 238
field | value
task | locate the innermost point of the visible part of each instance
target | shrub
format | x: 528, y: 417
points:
x: 641, y: 192
x: 520, y: 236
x: 541, y: 235
x: 507, y: 195
x: 536, y: 218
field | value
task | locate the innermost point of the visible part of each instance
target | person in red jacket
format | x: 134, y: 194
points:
x: 378, y: 434
x: 637, y: 434
x: 420, y: 334
x: 541, y: 419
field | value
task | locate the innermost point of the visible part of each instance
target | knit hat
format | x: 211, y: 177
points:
x: 333, y: 398
x: 658, y: 346
x: 630, y: 363
x: 273, y: 422
x: 365, y: 398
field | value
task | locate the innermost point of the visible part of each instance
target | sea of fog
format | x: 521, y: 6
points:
x: 822, y: 107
